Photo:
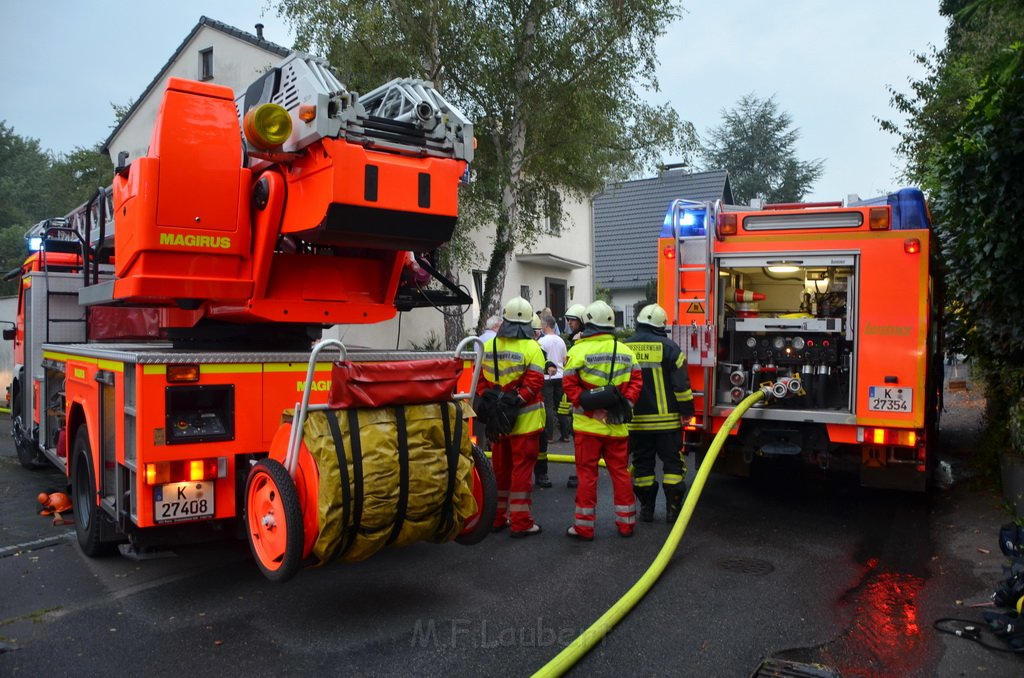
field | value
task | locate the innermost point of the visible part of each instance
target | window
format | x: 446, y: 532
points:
x: 524, y: 292
x: 206, y: 64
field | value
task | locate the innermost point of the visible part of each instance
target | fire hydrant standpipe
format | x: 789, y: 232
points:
x: 583, y: 643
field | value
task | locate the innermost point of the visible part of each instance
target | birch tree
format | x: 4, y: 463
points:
x: 554, y: 88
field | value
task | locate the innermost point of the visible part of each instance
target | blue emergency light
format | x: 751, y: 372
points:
x: 909, y: 209
x: 689, y: 219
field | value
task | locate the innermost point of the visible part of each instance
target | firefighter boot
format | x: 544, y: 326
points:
x: 646, y: 496
x: 674, y: 495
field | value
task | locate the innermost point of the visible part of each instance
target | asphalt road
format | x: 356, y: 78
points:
x: 797, y: 565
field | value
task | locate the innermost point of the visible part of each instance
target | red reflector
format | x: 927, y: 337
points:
x: 911, y: 245
x: 920, y: 468
x: 669, y: 252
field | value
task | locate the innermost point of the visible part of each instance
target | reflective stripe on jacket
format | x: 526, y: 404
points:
x: 588, y: 366
x: 666, y: 382
x: 521, y: 371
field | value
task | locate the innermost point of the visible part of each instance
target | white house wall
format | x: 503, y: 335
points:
x: 236, y: 64
x: 575, y: 242
x: 422, y: 326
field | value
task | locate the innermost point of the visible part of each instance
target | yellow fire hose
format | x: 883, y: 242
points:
x: 568, y: 657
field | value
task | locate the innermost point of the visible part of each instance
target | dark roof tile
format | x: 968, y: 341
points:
x: 628, y: 218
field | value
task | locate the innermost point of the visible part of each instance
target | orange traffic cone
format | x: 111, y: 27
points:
x: 744, y: 296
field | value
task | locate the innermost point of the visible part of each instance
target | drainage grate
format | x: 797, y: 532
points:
x: 781, y: 668
x: 746, y: 565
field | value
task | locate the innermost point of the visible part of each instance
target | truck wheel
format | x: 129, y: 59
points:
x: 91, y: 523
x: 485, y: 491
x: 26, y: 453
x: 273, y: 519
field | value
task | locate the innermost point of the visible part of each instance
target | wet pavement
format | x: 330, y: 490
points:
x: 796, y: 565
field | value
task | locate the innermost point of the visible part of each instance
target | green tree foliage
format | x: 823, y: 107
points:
x: 978, y: 193
x: 963, y: 140
x: 35, y: 184
x: 756, y: 143
x: 24, y: 170
x: 551, y: 86
x: 650, y: 297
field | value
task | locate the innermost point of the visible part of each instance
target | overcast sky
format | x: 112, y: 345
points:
x: 828, y: 63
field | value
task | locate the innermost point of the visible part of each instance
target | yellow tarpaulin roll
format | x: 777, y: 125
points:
x: 378, y: 504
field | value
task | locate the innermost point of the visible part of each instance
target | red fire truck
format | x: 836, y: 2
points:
x: 165, y: 327
x: 840, y: 303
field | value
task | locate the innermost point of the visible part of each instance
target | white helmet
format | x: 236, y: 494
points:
x: 600, y: 314
x: 517, y: 310
x: 576, y: 312
x: 653, y: 315
x: 535, y: 322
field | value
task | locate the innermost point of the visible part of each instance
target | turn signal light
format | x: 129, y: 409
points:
x: 911, y: 245
x: 726, y: 224
x: 878, y: 219
x: 162, y: 472
x: 669, y: 252
x: 181, y: 374
x: 307, y: 112
x: 267, y: 126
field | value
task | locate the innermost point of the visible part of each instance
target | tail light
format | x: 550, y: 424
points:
x: 186, y: 470
x: 887, y: 436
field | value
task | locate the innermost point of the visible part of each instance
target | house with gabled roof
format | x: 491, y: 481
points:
x: 553, y: 272
x: 628, y: 216
x: 212, y: 52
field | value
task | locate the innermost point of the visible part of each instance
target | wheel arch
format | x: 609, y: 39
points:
x: 76, y: 419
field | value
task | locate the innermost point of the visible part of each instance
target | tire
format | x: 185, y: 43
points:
x: 485, y: 489
x: 92, y: 524
x: 273, y: 519
x: 27, y: 454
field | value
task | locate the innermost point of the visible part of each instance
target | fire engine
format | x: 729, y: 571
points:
x: 163, y: 349
x: 839, y: 303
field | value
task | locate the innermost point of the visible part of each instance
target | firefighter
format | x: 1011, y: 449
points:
x: 514, y: 363
x: 597, y: 360
x: 664, y: 403
x: 574, y: 321
x: 573, y: 324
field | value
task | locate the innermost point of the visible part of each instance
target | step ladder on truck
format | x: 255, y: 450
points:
x: 839, y: 304
x: 165, y: 333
